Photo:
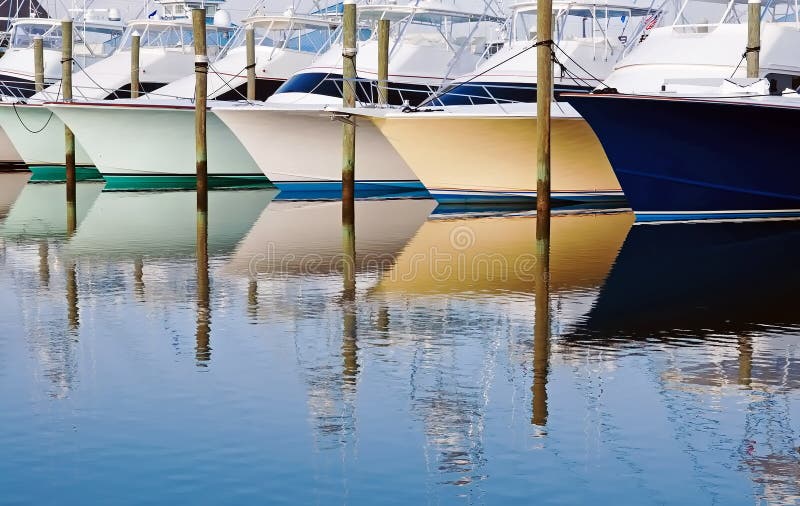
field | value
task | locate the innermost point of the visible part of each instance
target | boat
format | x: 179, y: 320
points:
x: 166, y: 54
x: 682, y: 101
x: 429, y: 44
x: 162, y: 122
x: 492, y: 110
x: 95, y: 34
x: 701, y: 157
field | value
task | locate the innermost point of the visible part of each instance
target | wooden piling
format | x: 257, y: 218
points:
x: 38, y: 63
x: 383, y: 62
x: 753, y: 37
x: 200, y: 90
x: 349, y: 49
x: 544, y: 86
x: 135, y: 45
x: 250, y: 42
x: 66, y: 90
x: 542, y: 324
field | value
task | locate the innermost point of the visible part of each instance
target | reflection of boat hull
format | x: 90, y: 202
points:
x: 43, y: 150
x: 40, y: 211
x: 271, y: 134
x: 703, y: 278
x: 488, y: 255
x: 152, y: 146
x: 465, y: 156
x: 697, y: 171
x: 163, y: 224
x: 306, y: 237
x: 11, y: 185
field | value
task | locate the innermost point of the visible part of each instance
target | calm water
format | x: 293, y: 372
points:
x: 132, y: 373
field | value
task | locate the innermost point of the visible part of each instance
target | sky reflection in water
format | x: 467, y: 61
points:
x: 133, y: 374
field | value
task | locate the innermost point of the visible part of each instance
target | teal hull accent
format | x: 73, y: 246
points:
x: 175, y: 182
x: 58, y: 174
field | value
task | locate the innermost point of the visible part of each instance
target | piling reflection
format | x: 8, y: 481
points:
x: 542, y: 326
x: 203, y: 329
x: 44, y: 263
x: 138, y: 278
x: 349, y: 344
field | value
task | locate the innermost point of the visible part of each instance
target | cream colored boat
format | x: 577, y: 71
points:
x: 487, y: 153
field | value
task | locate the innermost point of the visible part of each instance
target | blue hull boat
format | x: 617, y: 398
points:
x: 691, y: 158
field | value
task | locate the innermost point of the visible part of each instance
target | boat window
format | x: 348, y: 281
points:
x: 295, y: 36
x: 97, y: 41
x: 23, y: 33
x: 445, y: 30
x: 592, y: 23
x: 174, y: 36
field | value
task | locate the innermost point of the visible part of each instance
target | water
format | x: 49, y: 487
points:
x: 131, y: 374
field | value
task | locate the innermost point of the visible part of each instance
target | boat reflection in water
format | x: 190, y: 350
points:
x: 40, y: 211
x: 151, y: 234
x: 296, y: 251
x: 163, y: 224
x: 33, y: 234
x: 451, y: 263
x: 11, y: 185
x: 717, y: 303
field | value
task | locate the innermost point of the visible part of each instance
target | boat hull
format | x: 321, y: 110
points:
x: 38, y: 137
x: 678, y: 159
x: 475, y: 159
x: 139, y: 147
x: 278, y: 140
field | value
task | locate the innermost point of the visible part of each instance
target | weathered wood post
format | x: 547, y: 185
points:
x: 349, y: 50
x: 544, y: 85
x: 541, y: 332
x: 135, y: 45
x: 383, y: 62
x: 38, y: 63
x: 745, y: 360
x: 69, y: 137
x: 200, y: 90
x: 250, y: 42
x: 753, y: 37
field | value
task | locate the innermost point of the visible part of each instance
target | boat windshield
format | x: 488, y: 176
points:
x: 445, y: 29
x: 22, y: 34
x: 700, y: 16
x: 590, y: 23
x: 89, y: 40
x: 173, y: 35
x: 289, y: 34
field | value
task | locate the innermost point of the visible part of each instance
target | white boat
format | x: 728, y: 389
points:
x: 162, y: 122
x: 166, y: 54
x: 96, y: 33
x: 491, y: 111
x: 429, y: 43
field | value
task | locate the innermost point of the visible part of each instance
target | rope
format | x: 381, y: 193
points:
x: 50, y: 117
x: 108, y: 92
x: 228, y: 82
x: 744, y: 55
